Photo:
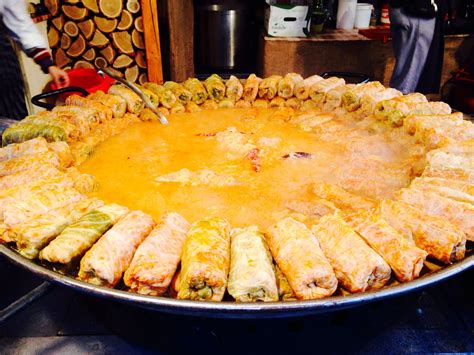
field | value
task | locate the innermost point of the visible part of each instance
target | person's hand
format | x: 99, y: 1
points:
x: 59, y: 76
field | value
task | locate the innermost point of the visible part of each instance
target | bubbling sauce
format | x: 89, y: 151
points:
x: 364, y: 157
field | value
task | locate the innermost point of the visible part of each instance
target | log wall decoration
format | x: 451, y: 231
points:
x: 87, y: 33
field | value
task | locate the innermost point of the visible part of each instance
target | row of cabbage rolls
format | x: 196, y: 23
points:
x: 354, y: 242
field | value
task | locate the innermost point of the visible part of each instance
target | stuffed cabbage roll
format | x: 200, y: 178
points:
x: 243, y: 104
x: 28, y: 162
x: 358, y: 268
x: 197, y: 89
x: 302, y: 88
x: 83, y: 117
x: 251, y: 276
x: 226, y: 103
x: 23, y: 132
x: 178, y: 108
x: 458, y: 213
x: 107, y: 260
x: 104, y: 112
x: 251, y: 88
x: 268, y: 87
x: 277, y: 102
x: 116, y: 103
x: 285, y: 292
x: 449, y: 173
x: 260, y: 103
x: 294, y: 103
x: 79, y: 237
x: 33, y: 235
x: 351, y: 98
x: 435, y: 235
x: 205, y: 261
x: 318, y: 91
x: 42, y: 173
x: 333, y: 98
x: 234, y: 89
x: 209, y: 105
x: 63, y: 151
x: 343, y: 199
x: 157, y: 258
x: 166, y: 97
x: 405, y: 259
x: 369, y: 101
x: 15, y: 150
x: 191, y: 106
x: 286, y: 86
x: 182, y: 95
x: 215, y: 87
x: 71, y: 130
x: 299, y: 257
x: 134, y: 102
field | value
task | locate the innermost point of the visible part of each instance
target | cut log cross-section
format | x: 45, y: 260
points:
x: 53, y: 37
x: 111, y: 8
x: 123, y: 42
x: 131, y: 74
x: 58, y: 22
x: 140, y: 59
x: 75, y: 12
x: 105, y: 25
x: 126, y: 21
x: 133, y: 6
x: 52, y: 6
x: 99, y: 40
x: 71, y: 29
x: 60, y: 58
x: 137, y: 39
x: 122, y: 61
x: 138, y: 23
x: 83, y: 64
x: 108, y: 53
x: 100, y: 62
x: 65, y: 41
x: 89, y: 55
x: 77, y: 47
x: 91, y: 5
x: 87, y: 28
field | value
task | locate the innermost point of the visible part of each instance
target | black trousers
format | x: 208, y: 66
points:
x: 12, y: 90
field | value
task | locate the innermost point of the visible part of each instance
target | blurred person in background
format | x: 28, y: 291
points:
x: 418, y: 42
x: 16, y: 23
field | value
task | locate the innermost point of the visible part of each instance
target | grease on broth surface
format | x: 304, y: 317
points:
x: 364, y: 157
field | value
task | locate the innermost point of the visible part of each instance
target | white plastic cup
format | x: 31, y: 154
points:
x: 346, y: 13
x: 363, y: 13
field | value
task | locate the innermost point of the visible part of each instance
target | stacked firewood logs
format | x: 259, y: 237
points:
x: 92, y: 33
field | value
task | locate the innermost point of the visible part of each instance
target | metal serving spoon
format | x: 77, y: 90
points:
x: 103, y: 70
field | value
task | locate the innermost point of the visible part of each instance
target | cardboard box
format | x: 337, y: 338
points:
x: 287, y: 20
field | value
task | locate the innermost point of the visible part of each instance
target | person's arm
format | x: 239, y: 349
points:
x: 22, y: 29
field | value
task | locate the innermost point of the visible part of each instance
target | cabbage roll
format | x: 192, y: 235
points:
x: 79, y: 237
x: 458, y: 213
x: 302, y: 88
x: 28, y: 162
x: 277, y: 102
x: 104, y: 112
x: 83, y: 117
x: 343, y: 199
x: 358, y: 268
x: 448, y: 184
x: 351, y: 99
x: 251, y: 276
x: 182, y: 95
x: 369, y: 101
x: 435, y: 235
x: 71, y: 130
x: 268, y: 87
x: 33, y: 235
x: 154, y: 98
x: 107, y: 260
x: 391, y: 110
x: 191, y: 106
x: 166, y: 97
x: 243, y: 104
x: 22, y: 132
x: 226, y: 103
x: 215, y: 87
x: 15, y: 150
x: 401, y: 110
x: 234, y: 89
x: 63, y: 151
x: 308, y: 105
x: 205, y: 261
x: 44, y: 172
x: 333, y: 98
x: 148, y: 115
x: 157, y: 258
x: 178, y: 108
x: 286, y: 86
x: 318, y: 91
x: 414, y: 123
x: 294, y: 103
x: 209, y: 105
x: 251, y: 88
x: 299, y: 257
x: 116, y: 103
x: 134, y: 102
x: 260, y: 103
x: 405, y: 259
x: 449, y: 173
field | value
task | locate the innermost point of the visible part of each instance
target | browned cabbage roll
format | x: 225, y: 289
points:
x: 105, y: 113
x: 251, y: 88
x: 299, y: 257
x: 215, y: 87
x: 343, y: 199
x: 251, y: 276
x: 302, y: 87
x: 318, y: 91
x: 286, y: 86
x: 157, y: 258
x: 117, y: 104
x: 435, y: 235
x: 405, y: 259
x: 268, y: 87
x: 352, y: 97
x: 234, y: 89
x: 107, y: 260
x: 134, y: 102
x: 358, y: 268
x: 458, y: 213
x: 205, y: 261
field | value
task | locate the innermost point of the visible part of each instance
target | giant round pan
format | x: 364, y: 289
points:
x: 239, y: 310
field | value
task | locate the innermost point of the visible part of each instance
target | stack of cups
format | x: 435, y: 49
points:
x: 363, y: 14
x: 346, y: 13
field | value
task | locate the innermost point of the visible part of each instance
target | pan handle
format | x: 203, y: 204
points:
x: 364, y: 78
x: 36, y: 99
